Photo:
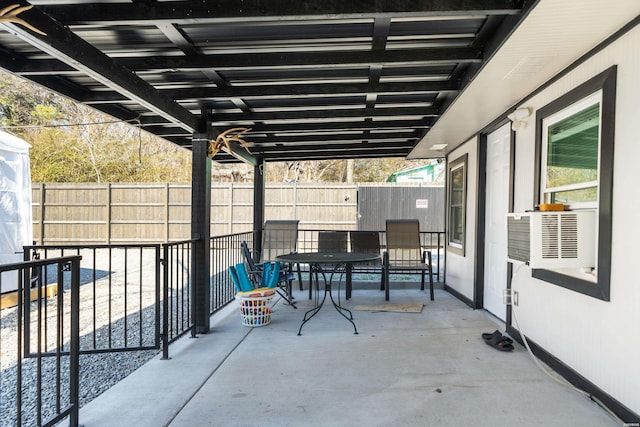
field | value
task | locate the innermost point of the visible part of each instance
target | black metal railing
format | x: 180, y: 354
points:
x: 125, y: 298
x: 225, y: 252
x: 176, y: 292
x: 138, y: 297
x: 40, y: 338
x: 119, y: 294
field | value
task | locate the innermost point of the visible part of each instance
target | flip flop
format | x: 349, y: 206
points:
x: 500, y: 343
x: 496, y: 334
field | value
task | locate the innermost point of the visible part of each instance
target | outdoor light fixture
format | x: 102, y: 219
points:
x: 438, y: 147
x: 519, y: 118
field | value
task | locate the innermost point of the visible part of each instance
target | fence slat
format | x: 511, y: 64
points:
x: 72, y: 213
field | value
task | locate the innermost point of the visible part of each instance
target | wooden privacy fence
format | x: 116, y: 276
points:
x: 113, y: 213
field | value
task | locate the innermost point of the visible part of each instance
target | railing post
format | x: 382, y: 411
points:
x: 43, y: 197
x: 164, y: 335
x: 74, y: 349
x: 167, y: 210
x: 26, y: 288
x: 107, y: 220
x: 26, y: 312
x: 230, y: 207
x: 438, y: 274
x: 21, y: 329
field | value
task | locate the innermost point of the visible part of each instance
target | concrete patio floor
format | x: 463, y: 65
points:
x: 402, y: 369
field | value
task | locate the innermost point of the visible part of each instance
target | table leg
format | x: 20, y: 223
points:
x: 313, y: 271
x: 316, y: 268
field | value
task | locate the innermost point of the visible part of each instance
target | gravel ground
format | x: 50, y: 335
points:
x: 106, y: 308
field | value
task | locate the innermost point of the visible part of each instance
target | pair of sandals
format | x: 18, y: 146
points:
x: 498, y: 341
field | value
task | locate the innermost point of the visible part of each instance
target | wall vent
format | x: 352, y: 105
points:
x: 518, y: 242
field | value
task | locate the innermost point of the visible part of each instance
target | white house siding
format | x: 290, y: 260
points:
x: 460, y: 272
x: 598, y: 339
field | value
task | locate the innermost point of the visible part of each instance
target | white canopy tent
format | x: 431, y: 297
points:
x: 15, y: 204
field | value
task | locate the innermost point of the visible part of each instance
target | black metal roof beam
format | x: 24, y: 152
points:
x: 400, y: 152
x: 260, y: 60
x: 334, y: 147
x: 167, y: 133
x: 38, y: 66
x: 60, y: 42
x: 322, y: 114
x: 182, y: 142
x: 198, y: 93
x: 65, y: 87
x: 339, y: 154
x: 345, y: 152
x: 160, y: 129
x: 60, y: 85
x: 320, y: 138
x: 355, y: 125
x: 198, y: 11
x: 380, y: 32
x: 177, y: 38
x: 17, y: 64
x: 267, y: 59
x: 153, y: 120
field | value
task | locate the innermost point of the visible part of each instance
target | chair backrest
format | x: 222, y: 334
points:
x: 403, y: 240
x: 278, y: 237
x: 332, y: 241
x: 248, y: 257
x: 254, y: 273
x: 367, y: 242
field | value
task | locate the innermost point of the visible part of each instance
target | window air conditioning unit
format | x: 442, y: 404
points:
x: 552, y: 239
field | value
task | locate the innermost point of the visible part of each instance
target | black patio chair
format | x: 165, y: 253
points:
x: 329, y: 241
x: 367, y: 242
x: 404, y: 253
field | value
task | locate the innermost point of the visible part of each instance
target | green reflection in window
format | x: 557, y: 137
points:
x: 572, y: 154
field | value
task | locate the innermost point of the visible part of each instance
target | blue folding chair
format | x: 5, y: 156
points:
x: 269, y: 274
x: 242, y: 282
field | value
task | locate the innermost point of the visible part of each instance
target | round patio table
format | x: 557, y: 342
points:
x: 319, y: 264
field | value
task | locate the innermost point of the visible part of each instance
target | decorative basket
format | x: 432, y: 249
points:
x: 256, y: 310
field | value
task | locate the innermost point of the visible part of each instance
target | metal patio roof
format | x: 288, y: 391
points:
x: 313, y: 79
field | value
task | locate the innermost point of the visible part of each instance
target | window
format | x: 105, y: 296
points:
x: 457, y: 204
x: 570, y: 149
x: 574, y: 163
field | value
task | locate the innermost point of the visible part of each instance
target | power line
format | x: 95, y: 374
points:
x: 135, y: 121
